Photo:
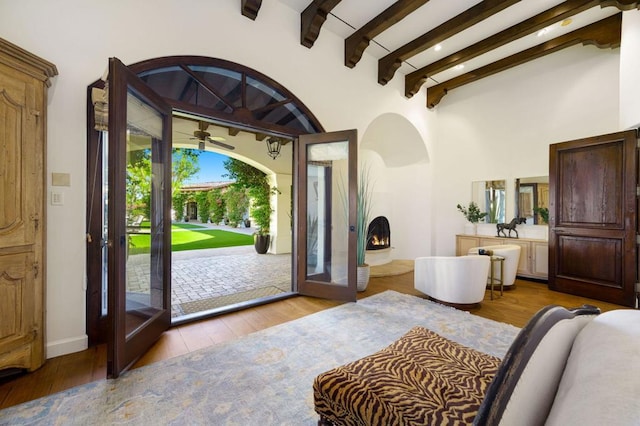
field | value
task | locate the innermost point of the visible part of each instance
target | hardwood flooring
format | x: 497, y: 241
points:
x: 515, y: 307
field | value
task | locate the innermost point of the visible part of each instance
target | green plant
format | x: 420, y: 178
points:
x: 543, y: 212
x: 237, y: 203
x: 363, y: 201
x: 259, y: 190
x: 203, y: 206
x: 473, y: 213
x: 218, y: 207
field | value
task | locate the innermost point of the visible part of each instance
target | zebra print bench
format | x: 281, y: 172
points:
x: 389, y: 387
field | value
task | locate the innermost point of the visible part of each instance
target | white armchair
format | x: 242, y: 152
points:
x: 511, y: 254
x: 455, y: 280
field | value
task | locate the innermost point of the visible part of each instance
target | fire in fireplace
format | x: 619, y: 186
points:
x: 380, y: 234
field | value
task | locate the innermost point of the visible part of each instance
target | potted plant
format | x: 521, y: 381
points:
x: 260, y: 211
x: 473, y: 216
x: 543, y: 212
x: 363, y: 202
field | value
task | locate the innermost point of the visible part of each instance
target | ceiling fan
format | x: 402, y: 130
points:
x: 203, y: 136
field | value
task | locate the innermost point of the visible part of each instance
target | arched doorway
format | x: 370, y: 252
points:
x: 244, y: 104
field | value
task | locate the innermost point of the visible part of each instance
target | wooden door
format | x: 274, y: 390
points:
x: 139, y: 282
x: 326, y: 246
x: 593, y: 217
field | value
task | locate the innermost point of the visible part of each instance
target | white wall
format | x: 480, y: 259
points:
x: 501, y: 127
x: 79, y: 36
x: 630, y: 70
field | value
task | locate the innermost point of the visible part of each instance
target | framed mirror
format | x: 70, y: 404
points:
x: 490, y: 197
x: 532, y: 199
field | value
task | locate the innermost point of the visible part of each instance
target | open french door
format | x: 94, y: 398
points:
x: 139, y: 186
x: 326, y: 202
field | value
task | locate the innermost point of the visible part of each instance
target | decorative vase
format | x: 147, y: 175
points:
x: 362, y: 275
x: 261, y: 243
x: 470, y: 228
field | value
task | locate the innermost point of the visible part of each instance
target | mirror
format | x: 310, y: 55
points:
x: 532, y: 199
x: 490, y: 197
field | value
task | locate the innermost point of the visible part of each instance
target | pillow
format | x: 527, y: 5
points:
x: 601, y: 381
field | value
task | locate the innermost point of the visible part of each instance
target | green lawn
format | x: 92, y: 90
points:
x: 191, y: 237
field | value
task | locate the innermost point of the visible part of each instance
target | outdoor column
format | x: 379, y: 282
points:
x: 281, y: 233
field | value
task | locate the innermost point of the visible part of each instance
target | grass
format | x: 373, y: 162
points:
x: 191, y: 237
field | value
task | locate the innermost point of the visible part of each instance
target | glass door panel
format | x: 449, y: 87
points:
x: 326, y: 208
x: 138, y: 218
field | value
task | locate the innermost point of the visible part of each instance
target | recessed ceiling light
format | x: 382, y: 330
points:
x: 566, y: 22
x: 437, y: 47
x: 459, y: 67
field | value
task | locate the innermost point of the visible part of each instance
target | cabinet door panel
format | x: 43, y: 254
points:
x: 464, y: 243
x: 17, y: 212
x: 16, y: 298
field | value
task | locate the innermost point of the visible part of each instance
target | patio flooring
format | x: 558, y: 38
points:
x: 210, y: 278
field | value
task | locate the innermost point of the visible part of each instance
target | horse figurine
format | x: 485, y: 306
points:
x: 511, y: 226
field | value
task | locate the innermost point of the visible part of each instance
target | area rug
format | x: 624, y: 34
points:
x: 264, y: 378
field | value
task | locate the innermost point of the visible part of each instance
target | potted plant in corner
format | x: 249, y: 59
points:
x: 363, y: 201
x: 473, y: 216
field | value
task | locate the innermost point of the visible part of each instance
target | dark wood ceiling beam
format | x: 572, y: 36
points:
x: 566, y: 9
x: 250, y: 8
x: 603, y: 34
x: 388, y: 65
x: 357, y: 42
x: 621, y: 4
x: 312, y: 18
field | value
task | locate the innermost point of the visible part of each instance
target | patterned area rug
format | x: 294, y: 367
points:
x: 264, y: 378
x: 230, y: 299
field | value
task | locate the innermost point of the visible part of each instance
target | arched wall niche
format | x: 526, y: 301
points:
x: 396, y: 140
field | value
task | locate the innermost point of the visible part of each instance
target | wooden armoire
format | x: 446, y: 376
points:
x: 24, y: 79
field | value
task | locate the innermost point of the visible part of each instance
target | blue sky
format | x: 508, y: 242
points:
x: 211, y: 168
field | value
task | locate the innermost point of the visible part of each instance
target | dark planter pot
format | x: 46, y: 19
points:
x: 261, y: 243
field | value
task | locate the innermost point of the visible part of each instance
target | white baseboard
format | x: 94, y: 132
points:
x: 67, y: 346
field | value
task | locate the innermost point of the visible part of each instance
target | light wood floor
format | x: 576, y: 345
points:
x: 515, y: 307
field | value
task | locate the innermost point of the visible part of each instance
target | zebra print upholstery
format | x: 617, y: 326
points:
x: 421, y: 379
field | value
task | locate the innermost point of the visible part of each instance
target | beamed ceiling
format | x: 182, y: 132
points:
x: 445, y: 44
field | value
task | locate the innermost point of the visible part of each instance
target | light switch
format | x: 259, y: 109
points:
x: 57, y: 198
x: 60, y: 179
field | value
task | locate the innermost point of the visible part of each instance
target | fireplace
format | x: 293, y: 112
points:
x: 380, y: 234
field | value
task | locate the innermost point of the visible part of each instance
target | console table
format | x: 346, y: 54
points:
x: 534, y: 254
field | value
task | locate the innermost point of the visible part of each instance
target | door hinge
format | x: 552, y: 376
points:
x: 36, y: 269
x: 638, y: 239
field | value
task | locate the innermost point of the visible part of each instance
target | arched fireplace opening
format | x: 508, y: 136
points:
x: 380, y: 234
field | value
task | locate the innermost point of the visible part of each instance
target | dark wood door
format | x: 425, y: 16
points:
x: 593, y: 217
x: 326, y: 220
x: 139, y: 279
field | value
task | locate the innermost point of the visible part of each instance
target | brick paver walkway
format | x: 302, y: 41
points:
x: 204, y: 274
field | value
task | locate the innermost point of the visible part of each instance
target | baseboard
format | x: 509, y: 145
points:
x: 67, y: 346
